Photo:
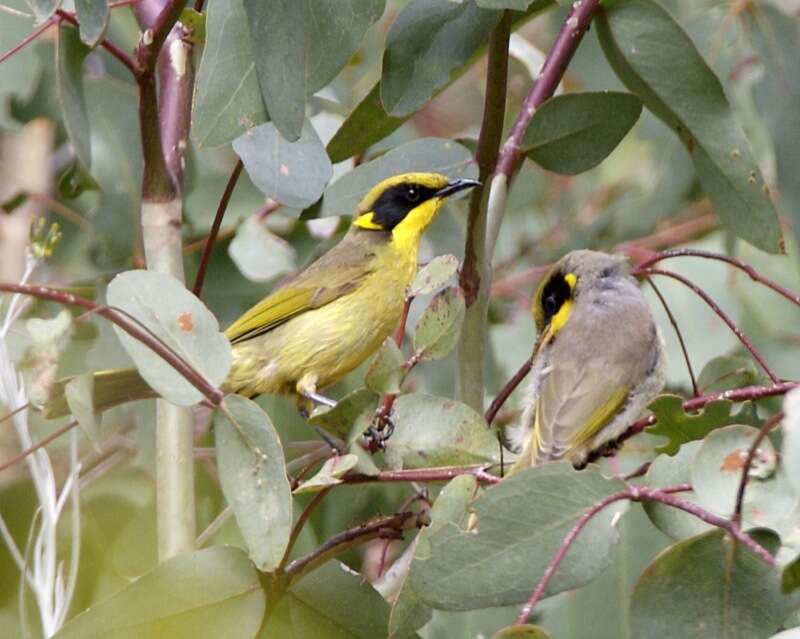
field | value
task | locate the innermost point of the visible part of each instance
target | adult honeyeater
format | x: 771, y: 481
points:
x: 598, y: 362
x: 330, y: 317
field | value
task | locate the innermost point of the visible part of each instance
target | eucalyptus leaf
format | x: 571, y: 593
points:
x: 79, y: 392
x: 93, y: 19
x: 434, y: 275
x: 43, y: 9
x: 438, y: 330
x: 791, y: 438
x: 203, y: 595
x: 70, y: 55
x: 434, y: 155
x: 386, y: 372
x: 516, y: 5
x: 339, y: 420
x: 707, y: 586
x: 227, y: 99
x: 435, y: 431
x: 179, y: 319
x: 520, y: 524
x: 428, y: 41
x: 292, y: 173
x: 253, y: 477
x: 656, y: 59
x: 259, y: 254
x: 572, y: 133
x: 728, y: 371
x: 329, y: 475
x: 526, y: 631
x: 790, y: 577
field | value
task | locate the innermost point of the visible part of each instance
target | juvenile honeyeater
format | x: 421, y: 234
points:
x: 598, y: 361
x: 324, y: 322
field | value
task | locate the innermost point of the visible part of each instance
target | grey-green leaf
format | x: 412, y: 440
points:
x: 79, y: 392
x: 386, y: 372
x: 329, y: 475
x: 516, y: 5
x: 292, y: 173
x: 260, y: 254
x: 227, y: 100
x: 437, y: 331
x: 791, y: 437
x: 526, y: 631
x: 426, y: 44
x: 521, y: 523
x: 435, y: 431
x: 339, y: 420
x: 253, y: 477
x: 434, y: 275
x: 435, y: 155
x: 656, y: 59
x: 203, y: 595
x: 572, y: 133
x: 93, y: 19
x: 706, y: 586
x: 70, y: 54
x: 43, y: 9
x: 182, y: 321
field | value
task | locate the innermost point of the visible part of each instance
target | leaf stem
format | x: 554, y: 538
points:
x: 32, y: 449
x: 298, y: 527
x: 208, y: 248
x: 509, y: 388
x: 638, y: 493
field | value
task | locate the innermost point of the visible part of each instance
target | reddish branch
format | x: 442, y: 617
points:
x: 711, y: 303
x: 213, y: 394
x: 215, y: 226
x: 553, y: 70
x: 751, y: 454
x: 639, y: 493
x: 32, y: 449
x: 509, y: 388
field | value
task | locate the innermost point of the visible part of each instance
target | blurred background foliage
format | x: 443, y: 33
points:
x: 644, y: 195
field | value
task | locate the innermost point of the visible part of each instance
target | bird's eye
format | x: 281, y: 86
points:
x: 412, y: 194
x: 550, y: 305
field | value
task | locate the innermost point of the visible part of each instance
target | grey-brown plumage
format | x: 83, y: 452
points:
x: 600, y: 360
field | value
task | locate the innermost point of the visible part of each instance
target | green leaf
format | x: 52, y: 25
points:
x: 21, y: 73
x: 728, y: 371
x: 227, y: 100
x: 435, y: 431
x: 339, y: 420
x: 206, y: 594
x: 79, y: 392
x: 76, y: 180
x: 572, y: 133
x: 680, y: 427
x: 179, y: 319
x: 435, y: 155
x: 43, y: 9
x: 330, y: 602
x: 708, y: 587
x: 300, y: 46
x: 791, y: 437
x: 790, y: 577
x: 437, y: 331
x: 259, y: 254
x: 253, y: 477
x: 516, y: 5
x: 93, y: 19
x: 428, y: 42
x: 521, y: 523
x: 657, y: 60
x: 386, y: 372
x: 666, y: 470
x: 526, y: 631
x: 292, y: 173
x: 434, y: 275
x: 70, y: 55
x: 409, y: 612
x: 717, y: 471
x: 329, y: 475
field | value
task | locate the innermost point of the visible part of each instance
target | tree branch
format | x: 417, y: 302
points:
x: 32, y: 449
x: 509, y: 388
x: 638, y: 493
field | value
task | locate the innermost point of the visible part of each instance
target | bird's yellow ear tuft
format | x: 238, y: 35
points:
x: 364, y: 221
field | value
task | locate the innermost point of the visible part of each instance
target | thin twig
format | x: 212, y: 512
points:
x: 32, y: 449
x: 722, y: 315
x: 19, y: 409
x: 213, y: 527
x: 30, y: 37
x: 751, y: 454
x: 710, y: 255
x: 214, y: 232
x: 678, y: 333
x: 301, y: 522
x: 210, y: 392
x: 509, y: 388
x: 638, y: 493
x: 113, y: 49
x: 444, y: 473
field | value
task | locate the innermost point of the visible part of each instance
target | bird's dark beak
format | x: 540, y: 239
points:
x: 455, y: 186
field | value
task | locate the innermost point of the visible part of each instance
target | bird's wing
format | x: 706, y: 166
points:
x: 576, y: 400
x: 335, y: 274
